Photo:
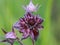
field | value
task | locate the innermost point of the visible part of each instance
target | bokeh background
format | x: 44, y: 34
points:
x: 11, y: 11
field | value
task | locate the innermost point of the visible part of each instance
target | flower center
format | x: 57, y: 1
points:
x: 31, y: 24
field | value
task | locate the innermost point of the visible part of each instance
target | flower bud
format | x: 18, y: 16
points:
x: 10, y: 35
x: 31, y: 7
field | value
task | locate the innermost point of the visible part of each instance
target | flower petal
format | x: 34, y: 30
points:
x: 31, y: 7
x: 28, y: 15
x: 38, y: 19
x: 17, y: 25
x: 34, y: 34
x: 40, y: 27
x: 10, y: 35
x: 25, y: 34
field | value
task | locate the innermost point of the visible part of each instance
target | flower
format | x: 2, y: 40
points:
x: 29, y: 25
x: 10, y: 36
x: 31, y: 7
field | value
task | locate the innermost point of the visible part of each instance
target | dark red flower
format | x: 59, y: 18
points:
x: 29, y: 25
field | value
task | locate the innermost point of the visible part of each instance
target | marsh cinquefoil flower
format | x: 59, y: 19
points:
x: 29, y: 25
x: 10, y: 36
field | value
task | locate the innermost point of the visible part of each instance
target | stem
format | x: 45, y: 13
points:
x: 33, y: 42
x: 11, y: 43
x: 19, y: 41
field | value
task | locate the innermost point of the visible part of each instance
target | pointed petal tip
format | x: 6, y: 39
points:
x: 3, y: 41
x: 3, y: 31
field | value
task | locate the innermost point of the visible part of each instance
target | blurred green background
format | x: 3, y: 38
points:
x: 11, y: 11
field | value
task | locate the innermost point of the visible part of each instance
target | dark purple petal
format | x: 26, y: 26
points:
x: 36, y: 34
x: 28, y: 16
x: 40, y: 27
x: 38, y: 19
x: 22, y: 20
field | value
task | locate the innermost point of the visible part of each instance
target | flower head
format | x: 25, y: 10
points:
x: 31, y: 7
x: 29, y: 25
x: 10, y: 36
